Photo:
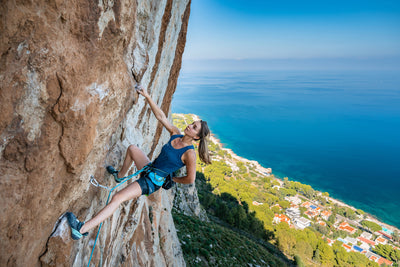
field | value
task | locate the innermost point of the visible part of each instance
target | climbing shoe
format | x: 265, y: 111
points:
x: 114, y: 172
x: 75, y: 225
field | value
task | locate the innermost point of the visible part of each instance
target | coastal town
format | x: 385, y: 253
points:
x: 300, y: 207
x: 363, y: 243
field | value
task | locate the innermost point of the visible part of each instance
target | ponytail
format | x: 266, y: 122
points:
x: 203, y: 146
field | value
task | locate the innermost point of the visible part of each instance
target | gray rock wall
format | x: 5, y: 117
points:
x: 68, y: 108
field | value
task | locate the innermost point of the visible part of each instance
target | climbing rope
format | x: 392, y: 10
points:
x: 94, y: 182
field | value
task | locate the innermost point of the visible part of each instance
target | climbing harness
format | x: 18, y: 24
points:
x: 94, y: 182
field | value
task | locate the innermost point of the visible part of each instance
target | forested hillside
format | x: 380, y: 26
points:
x: 241, y: 195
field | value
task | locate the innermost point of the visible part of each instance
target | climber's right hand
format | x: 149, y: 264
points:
x: 141, y: 90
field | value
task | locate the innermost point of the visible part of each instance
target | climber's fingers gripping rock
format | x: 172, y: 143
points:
x: 141, y: 90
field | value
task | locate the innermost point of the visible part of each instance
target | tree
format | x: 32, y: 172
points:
x: 332, y: 218
x: 284, y: 204
x: 350, y: 214
x: 287, y: 192
x: 325, y: 253
x: 358, y: 259
x: 208, y: 200
x: 267, y: 186
x: 396, y: 236
x: 387, y: 252
x: 276, y: 209
x: 360, y: 212
x: 316, y: 257
x: 298, y: 261
x: 371, y: 226
x: 286, y: 239
x: 341, y: 255
x: 321, y: 229
x: 303, y: 249
x: 240, y: 217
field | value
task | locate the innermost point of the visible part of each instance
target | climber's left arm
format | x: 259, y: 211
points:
x: 189, y: 158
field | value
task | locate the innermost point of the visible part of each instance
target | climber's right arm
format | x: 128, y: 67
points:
x: 160, y: 115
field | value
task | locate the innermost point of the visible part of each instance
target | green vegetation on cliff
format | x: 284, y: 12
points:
x: 247, y: 198
x: 209, y: 244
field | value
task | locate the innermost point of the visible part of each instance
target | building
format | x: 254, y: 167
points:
x: 329, y: 241
x: 364, y: 246
x: 311, y: 213
x: 255, y: 203
x: 366, y: 235
x: 381, y: 240
x: 293, y: 213
x: 346, y: 227
x: 315, y: 208
x: 302, y: 222
x: 350, y: 240
x: 382, y: 260
x: 372, y: 256
x: 281, y: 218
x: 384, y: 234
x: 326, y: 214
x: 366, y: 241
x: 347, y: 247
x: 294, y: 200
x: 306, y: 204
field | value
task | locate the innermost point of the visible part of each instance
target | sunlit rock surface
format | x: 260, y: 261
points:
x: 68, y: 108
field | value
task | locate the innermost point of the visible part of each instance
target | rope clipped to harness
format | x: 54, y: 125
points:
x: 94, y: 182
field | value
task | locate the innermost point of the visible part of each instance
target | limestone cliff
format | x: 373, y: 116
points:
x: 68, y: 108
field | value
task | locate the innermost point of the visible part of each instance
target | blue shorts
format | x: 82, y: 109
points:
x: 147, y: 186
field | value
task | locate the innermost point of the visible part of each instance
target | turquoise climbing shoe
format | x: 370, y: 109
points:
x: 75, y: 225
x: 114, y: 172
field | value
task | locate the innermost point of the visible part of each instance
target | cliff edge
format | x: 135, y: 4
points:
x: 68, y: 108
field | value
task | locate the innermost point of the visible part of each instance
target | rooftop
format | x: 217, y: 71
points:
x: 362, y: 239
x: 385, y: 261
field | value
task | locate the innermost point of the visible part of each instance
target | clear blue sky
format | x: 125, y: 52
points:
x: 238, y: 29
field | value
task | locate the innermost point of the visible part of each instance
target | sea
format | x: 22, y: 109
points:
x: 338, y: 131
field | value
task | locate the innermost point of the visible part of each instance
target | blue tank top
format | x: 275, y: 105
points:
x: 170, y: 159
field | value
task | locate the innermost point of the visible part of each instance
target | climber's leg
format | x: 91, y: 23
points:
x: 130, y: 192
x: 133, y: 154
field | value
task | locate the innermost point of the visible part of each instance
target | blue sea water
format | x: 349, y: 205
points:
x: 336, y: 131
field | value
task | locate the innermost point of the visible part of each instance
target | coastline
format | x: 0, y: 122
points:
x: 262, y: 169
x: 265, y: 171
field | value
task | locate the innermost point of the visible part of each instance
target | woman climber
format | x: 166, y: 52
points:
x: 178, y: 152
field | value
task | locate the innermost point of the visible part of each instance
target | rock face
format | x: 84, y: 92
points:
x: 186, y: 201
x: 68, y: 108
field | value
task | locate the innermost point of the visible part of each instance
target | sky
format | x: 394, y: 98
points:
x: 294, y: 31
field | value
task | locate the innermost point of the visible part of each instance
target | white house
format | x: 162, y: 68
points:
x: 351, y: 240
x: 302, y: 222
x: 293, y: 213
x: 366, y: 235
x: 295, y: 200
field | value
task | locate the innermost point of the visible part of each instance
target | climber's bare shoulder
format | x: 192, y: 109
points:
x: 174, y: 130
